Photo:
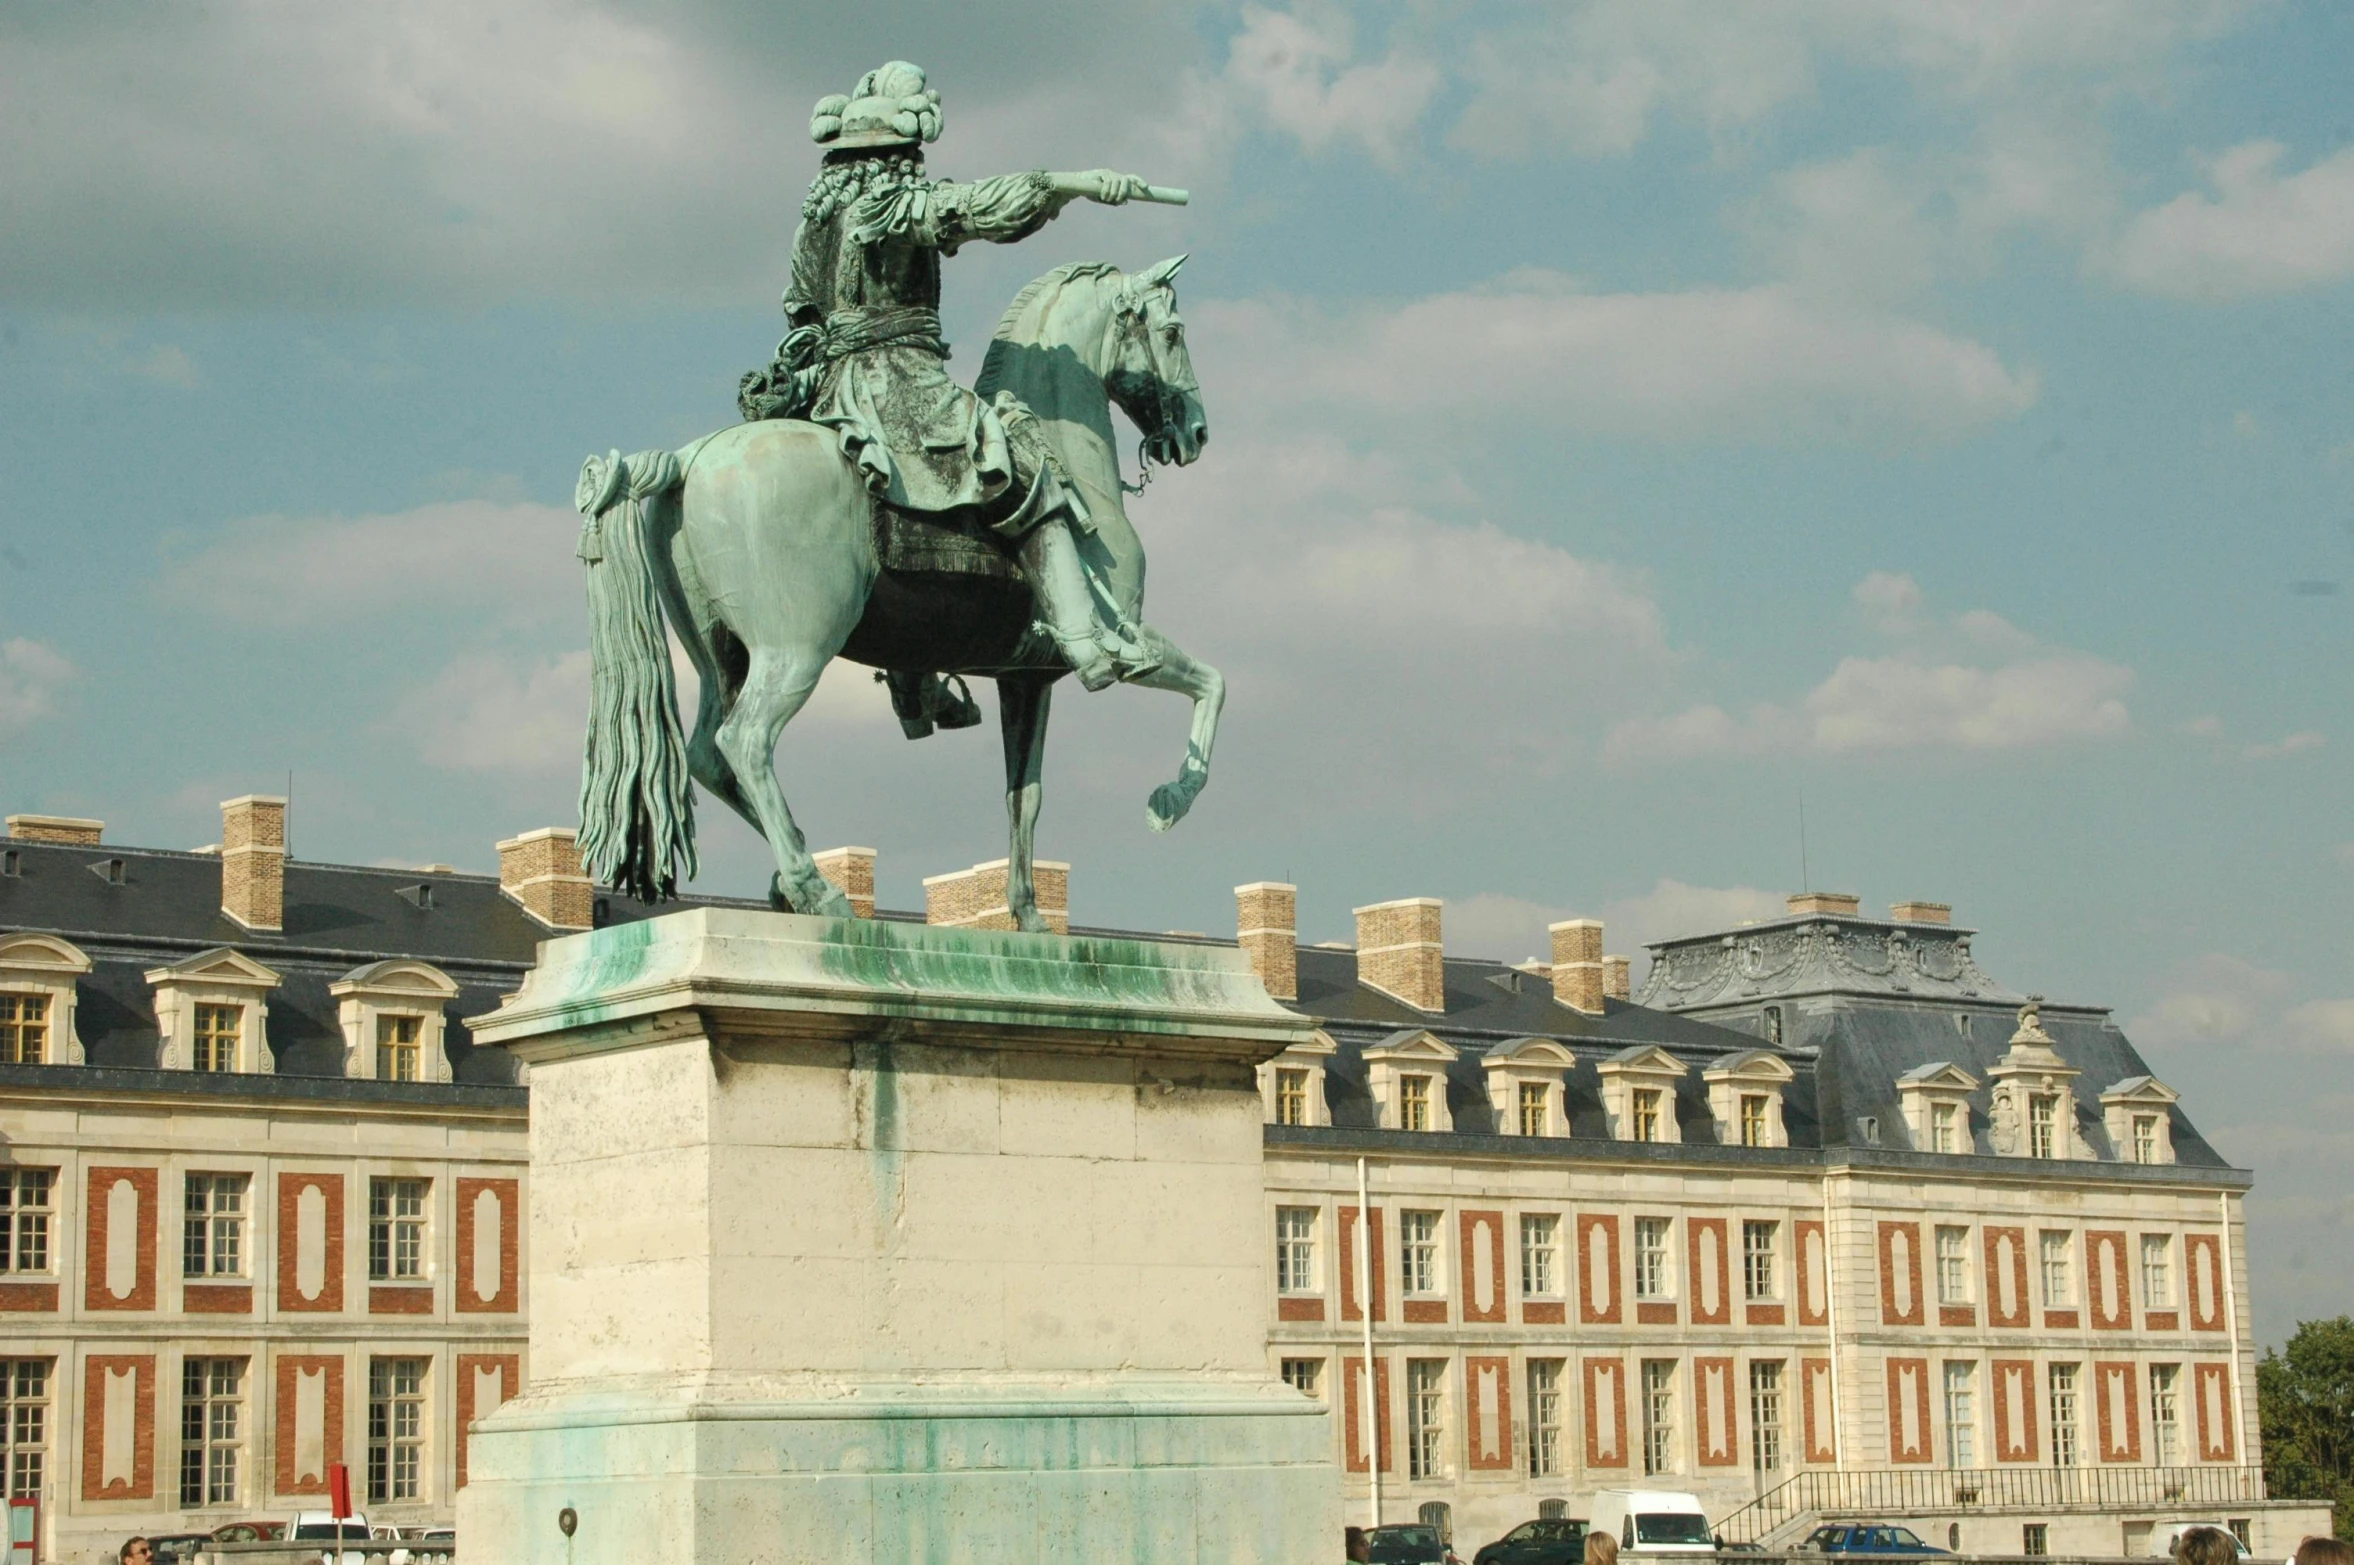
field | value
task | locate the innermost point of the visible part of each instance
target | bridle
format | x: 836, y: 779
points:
x: 1136, y: 324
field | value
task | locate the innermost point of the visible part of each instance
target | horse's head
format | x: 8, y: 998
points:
x: 1151, y: 374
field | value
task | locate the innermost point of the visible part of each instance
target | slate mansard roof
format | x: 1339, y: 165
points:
x: 1862, y: 1002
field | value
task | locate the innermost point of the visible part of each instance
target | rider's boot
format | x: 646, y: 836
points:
x: 1098, y: 653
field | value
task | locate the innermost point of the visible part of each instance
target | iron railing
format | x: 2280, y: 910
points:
x: 1899, y: 1492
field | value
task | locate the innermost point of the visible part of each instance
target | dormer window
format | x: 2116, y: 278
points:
x: 393, y: 1019
x: 1945, y: 1127
x: 1745, y: 1097
x: 219, y: 1029
x: 1525, y: 1086
x: 1535, y: 1109
x: 38, y: 978
x: 1753, y: 1119
x: 1414, y: 1103
x: 1639, y: 1094
x: 1645, y: 1119
x: 396, y: 1047
x: 24, y: 1029
x: 1408, y: 1074
x: 1936, y: 1099
x: 2139, y: 1114
x: 212, y: 1011
x: 1291, y: 1095
x: 2043, y: 1123
x: 1291, y: 1085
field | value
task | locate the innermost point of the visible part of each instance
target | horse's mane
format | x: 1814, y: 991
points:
x: 1034, y: 291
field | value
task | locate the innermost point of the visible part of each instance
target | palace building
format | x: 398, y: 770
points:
x: 1826, y: 1223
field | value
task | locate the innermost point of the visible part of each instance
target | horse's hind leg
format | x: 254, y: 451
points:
x: 776, y: 685
x: 1181, y: 672
x: 1021, y: 713
x: 719, y: 660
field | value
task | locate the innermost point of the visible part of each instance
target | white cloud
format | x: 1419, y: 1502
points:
x: 1982, y: 685
x: 1762, y: 363
x: 165, y: 365
x: 1890, y: 601
x: 2321, y: 1025
x: 1295, y: 70
x: 511, y: 562
x: 2219, y: 999
x: 484, y: 713
x: 2260, y: 232
x: 1850, y: 226
x: 31, y: 675
x: 2291, y: 744
x: 1672, y: 909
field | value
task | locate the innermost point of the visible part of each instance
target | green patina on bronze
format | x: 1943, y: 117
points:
x: 759, y: 545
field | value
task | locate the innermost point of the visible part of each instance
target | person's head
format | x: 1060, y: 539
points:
x: 1357, y: 1546
x: 1601, y: 1549
x: 2323, y: 1551
x: 135, y: 1551
x: 2206, y: 1546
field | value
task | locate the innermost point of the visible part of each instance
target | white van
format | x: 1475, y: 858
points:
x: 2166, y: 1536
x: 1651, y: 1521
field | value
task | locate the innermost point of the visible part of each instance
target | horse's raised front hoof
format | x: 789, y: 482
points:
x: 1171, y: 800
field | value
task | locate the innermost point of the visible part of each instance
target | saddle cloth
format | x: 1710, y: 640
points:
x: 949, y: 542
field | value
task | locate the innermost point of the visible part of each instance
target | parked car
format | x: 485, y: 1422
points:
x: 1847, y: 1538
x: 177, y: 1547
x: 1652, y: 1521
x: 325, y: 1527
x: 1409, y: 1544
x: 249, y: 1532
x: 1549, y: 1540
x: 2167, y: 1536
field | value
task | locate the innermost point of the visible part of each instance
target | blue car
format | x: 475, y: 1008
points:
x: 1866, y: 1540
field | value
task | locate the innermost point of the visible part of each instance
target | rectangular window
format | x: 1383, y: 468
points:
x: 24, y: 1420
x: 1945, y: 1132
x: 2059, y: 1281
x: 1961, y: 1415
x: 2166, y: 1414
x: 1765, y: 1415
x: 1426, y: 1409
x: 1291, y: 1096
x: 1544, y: 1417
x: 2157, y: 1271
x: 396, y: 1047
x: 2063, y: 1383
x: 212, y: 1430
x: 1306, y: 1376
x: 24, y: 1218
x: 1953, y: 1265
x: 2035, y: 1539
x: 396, y: 1428
x: 1534, y: 1102
x: 1646, y: 1114
x: 1659, y: 1415
x: 2043, y: 1124
x: 24, y: 1029
x: 1414, y: 1103
x: 396, y: 1230
x: 1418, y: 1251
x: 1540, y: 1255
x: 1653, y: 1279
x: 217, y: 1029
x: 1295, y: 1249
x: 213, y: 1230
x: 1758, y: 1279
x: 2145, y: 1138
x: 1753, y: 1119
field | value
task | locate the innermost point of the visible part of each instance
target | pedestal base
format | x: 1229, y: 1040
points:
x: 1001, y: 1475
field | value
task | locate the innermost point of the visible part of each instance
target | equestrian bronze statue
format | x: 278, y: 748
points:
x: 871, y: 508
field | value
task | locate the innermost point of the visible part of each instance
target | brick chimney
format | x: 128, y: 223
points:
x: 853, y: 869
x: 1577, y: 964
x: 253, y: 861
x: 1839, y: 902
x: 1266, y: 917
x: 975, y: 898
x: 56, y: 828
x: 1922, y: 912
x: 1618, y: 978
x: 541, y: 871
x: 1400, y: 952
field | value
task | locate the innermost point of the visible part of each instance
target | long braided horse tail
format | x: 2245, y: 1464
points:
x: 637, y: 812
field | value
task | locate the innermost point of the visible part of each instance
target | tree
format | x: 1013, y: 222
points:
x: 2305, y: 1406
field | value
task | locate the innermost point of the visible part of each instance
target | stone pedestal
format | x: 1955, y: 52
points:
x: 856, y: 1241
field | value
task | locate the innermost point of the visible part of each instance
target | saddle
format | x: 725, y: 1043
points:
x: 954, y: 543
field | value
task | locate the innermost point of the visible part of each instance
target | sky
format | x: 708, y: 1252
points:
x: 1663, y: 454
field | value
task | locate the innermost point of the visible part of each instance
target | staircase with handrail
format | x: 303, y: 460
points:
x: 1898, y: 1493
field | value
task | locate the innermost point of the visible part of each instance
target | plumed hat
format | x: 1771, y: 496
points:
x: 890, y: 108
